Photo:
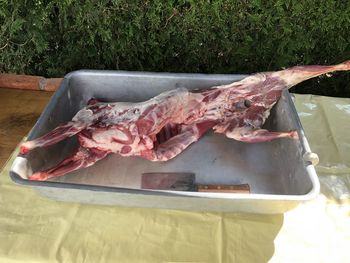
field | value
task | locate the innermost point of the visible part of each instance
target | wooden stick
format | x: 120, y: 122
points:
x: 13, y: 81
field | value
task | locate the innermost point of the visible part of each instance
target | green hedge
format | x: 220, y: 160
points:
x: 53, y: 37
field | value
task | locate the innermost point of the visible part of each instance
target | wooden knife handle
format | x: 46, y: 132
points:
x: 240, y: 188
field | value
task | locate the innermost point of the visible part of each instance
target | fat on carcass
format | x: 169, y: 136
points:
x: 161, y: 128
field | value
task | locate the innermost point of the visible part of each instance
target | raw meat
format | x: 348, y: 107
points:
x: 161, y: 128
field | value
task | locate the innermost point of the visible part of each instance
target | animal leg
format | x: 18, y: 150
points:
x: 60, y: 133
x: 295, y: 75
x: 82, y: 158
x: 260, y: 135
x: 175, y: 145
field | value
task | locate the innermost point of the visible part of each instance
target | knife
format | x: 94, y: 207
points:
x: 186, y: 182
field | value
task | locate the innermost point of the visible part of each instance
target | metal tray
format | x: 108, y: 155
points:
x: 278, y: 175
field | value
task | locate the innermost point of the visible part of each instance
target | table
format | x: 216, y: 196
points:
x: 19, y: 111
x: 35, y: 229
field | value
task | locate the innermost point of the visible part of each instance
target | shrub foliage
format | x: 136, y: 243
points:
x: 53, y: 37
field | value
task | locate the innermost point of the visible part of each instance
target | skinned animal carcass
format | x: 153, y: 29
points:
x: 161, y: 128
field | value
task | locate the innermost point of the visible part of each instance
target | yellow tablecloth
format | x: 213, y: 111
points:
x: 35, y: 229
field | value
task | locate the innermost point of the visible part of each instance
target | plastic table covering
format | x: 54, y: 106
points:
x: 35, y: 229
